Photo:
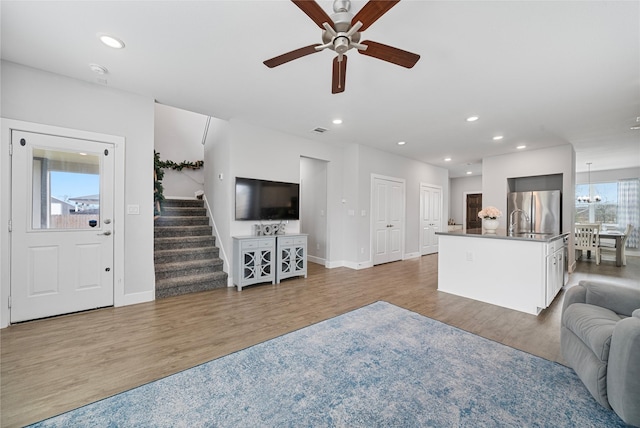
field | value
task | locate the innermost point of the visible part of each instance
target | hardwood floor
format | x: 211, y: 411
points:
x: 58, y: 364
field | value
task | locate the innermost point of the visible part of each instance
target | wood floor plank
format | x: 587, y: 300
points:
x: 54, y: 365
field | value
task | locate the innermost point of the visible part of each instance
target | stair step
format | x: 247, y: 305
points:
x: 194, y: 267
x: 185, y: 254
x: 190, y: 284
x: 173, y: 243
x: 166, y: 220
x: 169, y: 231
x: 186, y: 258
x: 182, y: 203
x: 183, y: 211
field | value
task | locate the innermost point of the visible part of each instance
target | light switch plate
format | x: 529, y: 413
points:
x: 133, y: 209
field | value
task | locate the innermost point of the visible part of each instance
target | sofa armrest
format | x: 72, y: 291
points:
x: 575, y: 294
x: 621, y: 300
x: 623, y: 371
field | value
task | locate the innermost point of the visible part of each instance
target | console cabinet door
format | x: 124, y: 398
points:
x: 254, y: 261
x: 292, y: 256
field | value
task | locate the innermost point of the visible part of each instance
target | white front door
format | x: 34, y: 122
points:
x: 388, y: 220
x: 61, y: 225
x: 430, y: 218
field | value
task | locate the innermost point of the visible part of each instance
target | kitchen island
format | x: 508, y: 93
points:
x: 522, y: 272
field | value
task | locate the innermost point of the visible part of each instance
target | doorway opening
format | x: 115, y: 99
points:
x: 313, y: 208
x: 473, y: 205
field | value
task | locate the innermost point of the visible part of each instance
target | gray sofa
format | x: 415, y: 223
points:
x: 600, y: 339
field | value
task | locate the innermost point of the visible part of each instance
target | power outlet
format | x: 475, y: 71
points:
x: 469, y: 256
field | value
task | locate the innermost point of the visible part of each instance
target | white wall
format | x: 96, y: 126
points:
x: 36, y: 96
x: 607, y: 176
x: 554, y: 160
x: 245, y: 150
x: 372, y: 161
x: 178, y: 137
x: 350, y: 201
x: 459, y: 186
x: 238, y: 149
x: 218, y: 194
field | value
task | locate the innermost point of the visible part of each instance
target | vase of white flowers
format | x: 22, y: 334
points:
x: 490, y: 216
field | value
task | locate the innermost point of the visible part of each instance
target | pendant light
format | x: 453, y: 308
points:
x: 588, y: 199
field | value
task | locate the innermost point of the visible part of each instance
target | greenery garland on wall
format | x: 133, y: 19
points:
x: 159, y: 165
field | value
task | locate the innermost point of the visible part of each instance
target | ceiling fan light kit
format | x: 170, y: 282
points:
x: 342, y: 32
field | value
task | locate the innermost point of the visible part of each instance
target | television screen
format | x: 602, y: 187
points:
x: 266, y: 200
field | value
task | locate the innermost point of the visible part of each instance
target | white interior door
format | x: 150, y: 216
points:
x: 430, y: 218
x: 61, y: 225
x: 388, y: 220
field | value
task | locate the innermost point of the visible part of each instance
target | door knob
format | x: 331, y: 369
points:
x: 106, y: 233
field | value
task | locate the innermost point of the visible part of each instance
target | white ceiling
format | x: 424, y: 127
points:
x: 541, y: 73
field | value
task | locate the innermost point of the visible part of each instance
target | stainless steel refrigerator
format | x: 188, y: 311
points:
x: 543, y: 209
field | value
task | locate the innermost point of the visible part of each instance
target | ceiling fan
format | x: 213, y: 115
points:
x: 341, y: 32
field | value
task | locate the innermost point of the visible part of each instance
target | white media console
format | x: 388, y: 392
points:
x: 258, y: 259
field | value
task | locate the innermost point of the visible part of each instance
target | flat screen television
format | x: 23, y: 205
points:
x: 266, y: 200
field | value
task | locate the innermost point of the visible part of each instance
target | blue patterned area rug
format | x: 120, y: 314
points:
x: 378, y: 366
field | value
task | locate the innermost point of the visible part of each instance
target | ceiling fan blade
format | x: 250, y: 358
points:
x: 339, y: 75
x: 315, y: 12
x: 290, y: 56
x: 372, y: 11
x: 389, y: 54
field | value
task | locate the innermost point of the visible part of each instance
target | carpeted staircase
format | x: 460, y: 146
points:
x: 186, y: 258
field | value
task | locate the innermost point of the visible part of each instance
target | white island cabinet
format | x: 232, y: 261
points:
x: 524, y: 273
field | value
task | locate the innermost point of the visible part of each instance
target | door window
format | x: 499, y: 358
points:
x: 65, y: 190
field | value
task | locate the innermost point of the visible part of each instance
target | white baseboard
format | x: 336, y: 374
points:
x: 317, y: 260
x: 333, y: 265
x: 141, y: 297
x: 357, y: 265
x: 350, y: 265
x: 364, y: 265
x: 408, y: 256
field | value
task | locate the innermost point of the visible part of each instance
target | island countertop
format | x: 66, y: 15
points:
x: 503, y: 234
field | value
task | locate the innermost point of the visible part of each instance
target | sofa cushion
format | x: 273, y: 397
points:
x: 593, y: 325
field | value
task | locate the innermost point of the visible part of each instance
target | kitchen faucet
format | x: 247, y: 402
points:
x: 512, y: 224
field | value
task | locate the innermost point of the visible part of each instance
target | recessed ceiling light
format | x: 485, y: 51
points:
x: 82, y: 154
x: 472, y: 118
x: 402, y: 143
x: 447, y: 159
x: 337, y: 121
x: 498, y: 137
x: 521, y: 147
x: 469, y: 172
x: 111, y: 41
x: 98, y: 69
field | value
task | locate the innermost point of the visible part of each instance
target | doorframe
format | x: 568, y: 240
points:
x: 464, y: 206
x: 6, y: 127
x: 369, y: 263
